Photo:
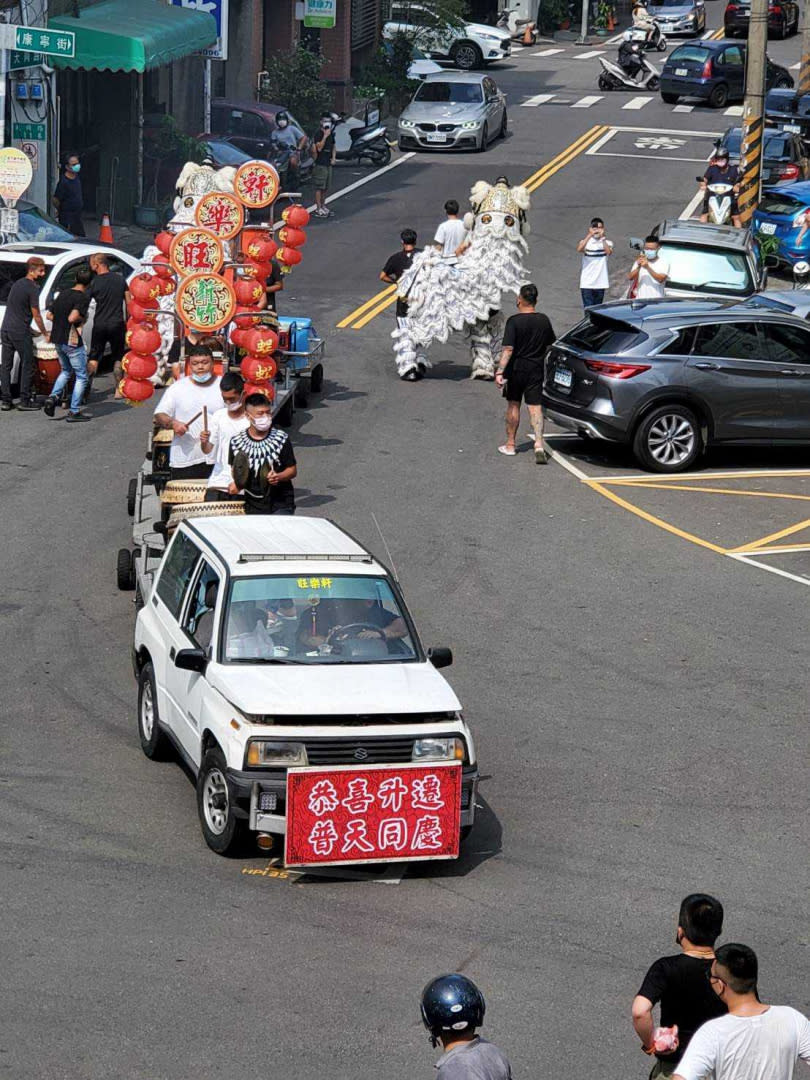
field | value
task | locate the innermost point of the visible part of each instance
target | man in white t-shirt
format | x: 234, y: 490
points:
x: 753, y: 1041
x: 595, y: 249
x: 183, y: 409
x: 451, y: 234
x: 649, y: 273
x: 222, y: 426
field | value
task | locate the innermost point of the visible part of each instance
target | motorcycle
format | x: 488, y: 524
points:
x: 367, y: 141
x: 614, y: 77
x: 720, y: 196
x: 523, y: 31
x: 294, y: 166
x: 656, y: 40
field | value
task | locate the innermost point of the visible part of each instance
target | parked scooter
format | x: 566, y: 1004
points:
x: 719, y: 203
x: 369, y: 142
x: 523, y: 31
x: 656, y: 40
x: 614, y: 77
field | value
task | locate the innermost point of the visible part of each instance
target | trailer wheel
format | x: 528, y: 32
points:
x: 316, y: 379
x: 302, y: 388
x: 284, y: 417
x: 132, y: 494
x: 125, y: 570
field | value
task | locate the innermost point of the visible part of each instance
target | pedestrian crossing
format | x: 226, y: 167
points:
x: 634, y: 104
x: 573, y: 49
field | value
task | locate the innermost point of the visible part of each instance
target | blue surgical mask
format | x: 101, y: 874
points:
x: 651, y: 253
x: 200, y: 377
x: 75, y: 168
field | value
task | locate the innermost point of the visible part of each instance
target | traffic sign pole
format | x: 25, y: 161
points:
x: 753, y: 112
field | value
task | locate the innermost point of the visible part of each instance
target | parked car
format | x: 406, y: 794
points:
x: 671, y: 378
x: 248, y: 126
x: 223, y: 152
x: 679, y: 16
x: 709, y: 260
x: 781, y: 213
x: 468, y: 45
x: 784, y: 157
x: 453, y: 111
x: 783, y: 18
x: 35, y: 226
x: 788, y: 112
x: 714, y: 71
x: 261, y: 647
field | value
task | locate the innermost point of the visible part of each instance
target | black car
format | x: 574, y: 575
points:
x: 784, y: 158
x: 783, y: 18
x: 672, y: 377
x: 714, y: 71
x: 787, y: 111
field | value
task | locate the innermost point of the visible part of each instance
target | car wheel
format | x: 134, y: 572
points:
x: 132, y: 494
x: 718, y: 98
x: 400, y: 144
x: 125, y: 570
x: 224, y: 832
x: 153, y: 740
x: 669, y: 99
x: 484, y: 140
x: 668, y: 439
x: 467, y: 56
x: 504, y: 125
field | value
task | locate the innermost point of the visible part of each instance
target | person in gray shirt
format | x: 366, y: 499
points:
x: 452, y: 1008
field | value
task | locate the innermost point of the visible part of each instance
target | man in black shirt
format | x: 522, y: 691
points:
x: 393, y: 270
x: 262, y: 462
x: 681, y: 984
x: 68, y: 198
x: 22, y: 305
x: 68, y: 314
x: 527, y: 338
x: 274, y: 284
x: 109, y: 290
x: 324, y: 147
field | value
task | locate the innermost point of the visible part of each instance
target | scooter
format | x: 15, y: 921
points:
x: 523, y: 31
x: 369, y: 142
x: 656, y: 40
x: 614, y: 77
x: 719, y: 202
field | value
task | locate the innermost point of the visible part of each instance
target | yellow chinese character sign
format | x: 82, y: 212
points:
x: 205, y: 301
x: 196, y: 251
x: 220, y: 213
x: 256, y: 184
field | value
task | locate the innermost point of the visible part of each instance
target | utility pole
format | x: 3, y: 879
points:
x: 754, y: 111
x: 804, y: 72
x: 583, y: 29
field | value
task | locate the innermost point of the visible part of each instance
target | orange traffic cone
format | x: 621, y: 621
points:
x: 105, y: 233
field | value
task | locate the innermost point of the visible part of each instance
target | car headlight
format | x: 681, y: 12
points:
x: 271, y: 752
x: 488, y: 37
x: 406, y: 123
x: 471, y: 124
x: 435, y: 749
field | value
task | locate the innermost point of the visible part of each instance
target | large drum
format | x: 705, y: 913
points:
x: 46, y: 366
x: 183, y: 491
x: 184, y: 511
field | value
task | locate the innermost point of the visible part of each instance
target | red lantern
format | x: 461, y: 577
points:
x: 162, y: 267
x: 139, y: 367
x: 267, y: 390
x: 261, y: 251
x: 293, y: 238
x: 163, y: 242
x: 289, y: 256
x: 137, y: 311
x: 136, y: 391
x: 167, y: 286
x: 249, y: 291
x: 245, y: 317
x: 145, y: 289
x: 297, y: 216
x: 261, y: 342
x: 257, y: 369
x: 238, y: 337
x: 145, y: 339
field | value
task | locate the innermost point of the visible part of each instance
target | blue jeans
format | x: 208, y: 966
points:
x: 73, y: 358
x: 590, y: 297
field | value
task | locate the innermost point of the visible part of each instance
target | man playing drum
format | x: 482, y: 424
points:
x: 184, y: 408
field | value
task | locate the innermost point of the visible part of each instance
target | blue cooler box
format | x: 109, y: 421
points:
x: 302, y: 339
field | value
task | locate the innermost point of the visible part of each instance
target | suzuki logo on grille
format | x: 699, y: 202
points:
x: 361, y: 753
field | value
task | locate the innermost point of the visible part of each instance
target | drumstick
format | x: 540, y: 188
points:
x: 205, y: 418
x: 196, y: 416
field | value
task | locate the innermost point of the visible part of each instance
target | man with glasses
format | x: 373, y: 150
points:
x: 753, y: 1041
x: 679, y: 984
x: 184, y: 408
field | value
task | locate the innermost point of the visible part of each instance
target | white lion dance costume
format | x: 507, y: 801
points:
x: 443, y: 297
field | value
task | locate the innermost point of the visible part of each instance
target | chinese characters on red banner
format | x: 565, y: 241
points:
x: 256, y: 184
x: 220, y: 213
x: 377, y: 813
x: 196, y: 251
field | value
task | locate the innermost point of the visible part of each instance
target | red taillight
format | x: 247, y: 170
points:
x: 787, y: 172
x: 731, y: 7
x: 615, y: 371
x: 776, y: 10
x: 707, y: 69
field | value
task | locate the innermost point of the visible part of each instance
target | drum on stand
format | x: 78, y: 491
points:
x: 161, y: 450
x: 180, y: 492
x: 46, y: 366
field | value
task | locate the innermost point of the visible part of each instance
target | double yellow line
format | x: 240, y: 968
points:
x: 716, y: 35
x: 362, y: 315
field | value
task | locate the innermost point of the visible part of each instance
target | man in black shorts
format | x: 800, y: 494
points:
x: 527, y: 338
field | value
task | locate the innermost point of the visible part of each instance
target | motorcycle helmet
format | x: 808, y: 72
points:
x: 451, y: 1003
x: 282, y: 120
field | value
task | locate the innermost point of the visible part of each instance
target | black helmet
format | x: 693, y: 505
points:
x: 282, y: 118
x: 452, y: 1003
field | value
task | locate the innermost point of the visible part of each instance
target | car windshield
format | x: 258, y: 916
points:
x: 780, y: 204
x: 707, y: 270
x: 454, y: 93
x: 315, y: 620
x: 36, y: 226
x: 689, y: 52
x: 225, y: 154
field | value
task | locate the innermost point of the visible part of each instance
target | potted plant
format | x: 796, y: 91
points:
x: 604, y: 17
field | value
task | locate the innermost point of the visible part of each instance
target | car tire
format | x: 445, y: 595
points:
x: 125, y: 570
x: 718, y: 98
x: 669, y: 99
x: 132, y: 494
x: 504, y: 125
x: 668, y: 439
x: 223, y: 831
x: 467, y: 56
x: 400, y: 144
x: 484, y: 140
x: 153, y: 739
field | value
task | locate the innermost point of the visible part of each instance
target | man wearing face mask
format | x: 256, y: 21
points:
x: 325, y: 151
x: 722, y: 172
x: 649, y: 273
x: 287, y: 147
x: 262, y: 462
x: 68, y: 198
x: 223, y: 425
x: 182, y: 411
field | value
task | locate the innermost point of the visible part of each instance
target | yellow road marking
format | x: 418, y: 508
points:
x: 717, y: 34
x: 596, y: 486
x: 709, y: 490
x: 754, y: 545
x: 362, y: 315
x: 700, y: 477
x: 777, y: 547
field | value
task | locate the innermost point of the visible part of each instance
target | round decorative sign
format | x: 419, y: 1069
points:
x: 205, y: 301
x: 256, y: 184
x: 196, y: 251
x: 221, y: 213
x: 15, y: 173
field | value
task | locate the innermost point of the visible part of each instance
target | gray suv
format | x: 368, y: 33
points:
x: 672, y: 377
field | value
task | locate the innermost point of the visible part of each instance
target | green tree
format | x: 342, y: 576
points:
x: 293, y: 80
x: 423, y: 20
x: 386, y: 74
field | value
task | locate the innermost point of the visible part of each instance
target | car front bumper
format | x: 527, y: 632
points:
x: 688, y: 26
x: 457, y: 139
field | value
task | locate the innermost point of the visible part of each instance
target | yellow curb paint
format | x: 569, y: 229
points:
x: 754, y: 545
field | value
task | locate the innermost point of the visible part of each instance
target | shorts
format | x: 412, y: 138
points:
x: 322, y: 177
x: 525, y: 386
x: 663, y: 1070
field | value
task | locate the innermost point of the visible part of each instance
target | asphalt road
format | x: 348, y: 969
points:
x: 639, y: 699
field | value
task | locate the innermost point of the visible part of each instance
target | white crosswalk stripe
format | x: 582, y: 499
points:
x: 547, y: 52
x: 538, y: 99
x: 586, y: 102
x: 683, y: 108
x: 735, y: 110
x: 637, y: 103
x: 795, y: 67
x: 589, y: 55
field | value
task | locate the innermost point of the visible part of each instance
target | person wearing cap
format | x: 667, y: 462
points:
x: 720, y: 171
x: 22, y: 306
x: 595, y: 249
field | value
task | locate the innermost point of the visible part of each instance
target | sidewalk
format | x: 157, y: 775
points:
x: 128, y: 238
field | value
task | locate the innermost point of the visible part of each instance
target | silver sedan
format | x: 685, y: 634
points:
x: 453, y: 111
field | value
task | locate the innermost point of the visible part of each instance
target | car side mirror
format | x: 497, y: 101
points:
x: 440, y: 657
x: 191, y: 660
x: 636, y: 244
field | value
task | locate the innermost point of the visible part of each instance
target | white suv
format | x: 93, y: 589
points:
x: 271, y: 642
x: 469, y: 46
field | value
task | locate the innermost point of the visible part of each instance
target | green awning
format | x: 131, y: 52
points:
x: 134, y: 35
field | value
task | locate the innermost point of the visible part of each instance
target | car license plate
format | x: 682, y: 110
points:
x: 767, y: 227
x: 681, y: 71
x: 563, y: 377
x: 795, y: 128
x: 436, y: 138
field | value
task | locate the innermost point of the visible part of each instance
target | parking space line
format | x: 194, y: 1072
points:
x: 752, y: 545
x: 747, y: 561
x: 743, y: 474
x: 711, y: 490
x: 779, y: 549
x: 733, y: 110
